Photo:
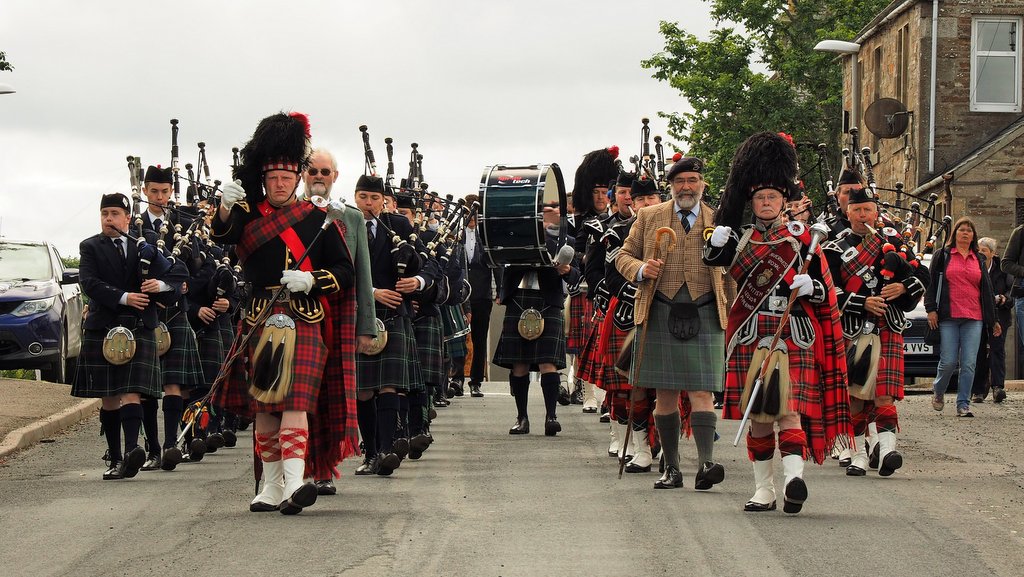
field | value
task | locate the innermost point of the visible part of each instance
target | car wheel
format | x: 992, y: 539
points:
x: 57, y: 371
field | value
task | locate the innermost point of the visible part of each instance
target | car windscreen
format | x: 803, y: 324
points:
x: 24, y: 261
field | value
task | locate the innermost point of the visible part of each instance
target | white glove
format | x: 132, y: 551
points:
x: 231, y: 193
x: 297, y: 281
x: 803, y: 285
x: 720, y: 237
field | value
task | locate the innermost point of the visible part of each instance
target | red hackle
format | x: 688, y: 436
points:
x: 303, y: 119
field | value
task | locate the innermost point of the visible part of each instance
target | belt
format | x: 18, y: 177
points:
x: 703, y: 300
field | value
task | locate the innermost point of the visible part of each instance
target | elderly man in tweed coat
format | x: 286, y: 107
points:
x: 685, y: 304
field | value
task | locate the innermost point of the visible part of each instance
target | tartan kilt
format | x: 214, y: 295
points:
x: 804, y: 376
x: 96, y: 378
x: 180, y: 365
x: 227, y: 332
x: 307, y: 373
x: 548, y: 348
x: 889, y: 381
x: 392, y: 367
x: 581, y: 313
x: 427, y: 331
x: 669, y: 363
x: 456, y: 348
x: 589, y: 363
x: 211, y: 352
x: 607, y: 378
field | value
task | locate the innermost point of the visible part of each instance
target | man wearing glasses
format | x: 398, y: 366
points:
x: 685, y: 303
x: 319, y: 179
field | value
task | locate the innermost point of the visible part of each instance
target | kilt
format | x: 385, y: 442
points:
x: 606, y: 377
x: 390, y: 368
x: 427, y: 331
x: 589, y: 365
x: 804, y: 376
x: 227, y: 332
x: 548, y: 348
x: 889, y: 381
x: 307, y: 373
x: 456, y: 348
x: 697, y: 364
x: 96, y: 378
x: 211, y: 352
x: 180, y: 365
x: 581, y: 313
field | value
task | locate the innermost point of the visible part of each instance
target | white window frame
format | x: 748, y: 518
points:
x: 976, y: 53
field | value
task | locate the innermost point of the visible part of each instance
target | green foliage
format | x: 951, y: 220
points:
x: 4, y: 64
x: 71, y: 261
x: 27, y: 374
x: 801, y: 93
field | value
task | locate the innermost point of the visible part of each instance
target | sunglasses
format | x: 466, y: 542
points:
x: 323, y: 171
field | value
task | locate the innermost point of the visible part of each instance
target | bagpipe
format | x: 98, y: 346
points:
x: 649, y: 166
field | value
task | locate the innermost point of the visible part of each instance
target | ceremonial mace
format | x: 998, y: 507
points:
x: 658, y: 234
x: 818, y: 232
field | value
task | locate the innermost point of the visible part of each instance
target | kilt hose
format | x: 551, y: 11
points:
x: 391, y: 367
x: 670, y: 363
x: 427, y: 333
x: 180, y: 365
x: 96, y: 378
x: 581, y: 313
x: 804, y: 377
x: 307, y: 372
x: 548, y: 348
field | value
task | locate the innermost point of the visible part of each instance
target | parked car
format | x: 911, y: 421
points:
x: 919, y: 358
x: 40, y: 310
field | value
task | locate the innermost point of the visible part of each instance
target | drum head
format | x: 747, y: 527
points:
x: 512, y: 200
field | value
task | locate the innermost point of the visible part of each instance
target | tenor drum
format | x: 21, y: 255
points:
x: 512, y: 200
x: 453, y: 323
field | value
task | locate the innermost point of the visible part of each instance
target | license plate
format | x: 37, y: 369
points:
x: 917, y: 349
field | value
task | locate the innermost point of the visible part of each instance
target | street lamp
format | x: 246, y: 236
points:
x: 850, y: 49
x: 6, y: 88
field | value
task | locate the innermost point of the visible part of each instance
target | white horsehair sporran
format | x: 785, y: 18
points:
x: 273, y: 360
x: 772, y: 399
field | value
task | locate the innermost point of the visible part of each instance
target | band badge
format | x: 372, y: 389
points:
x: 850, y: 254
x: 763, y: 279
x: 119, y: 346
x: 707, y: 233
x: 531, y: 324
x: 379, y: 342
x: 889, y: 231
x: 163, y: 339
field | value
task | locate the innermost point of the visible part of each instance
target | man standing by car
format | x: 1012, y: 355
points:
x: 122, y: 303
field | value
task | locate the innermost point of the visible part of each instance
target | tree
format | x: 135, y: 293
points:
x: 801, y: 94
x: 4, y: 65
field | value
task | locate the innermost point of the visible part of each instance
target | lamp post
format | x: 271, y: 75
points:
x: 849, y: 49
x: 6, y: 88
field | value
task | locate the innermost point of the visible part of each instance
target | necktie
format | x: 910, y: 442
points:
x: 686, y: 220
x: 369, y: 231
x: 156, y: 225
x: 119, y: 245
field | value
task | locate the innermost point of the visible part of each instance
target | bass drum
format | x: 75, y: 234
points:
x: 453, y: 323
x: 512, y: 201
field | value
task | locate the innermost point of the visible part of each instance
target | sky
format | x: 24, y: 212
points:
x: 474, y: 83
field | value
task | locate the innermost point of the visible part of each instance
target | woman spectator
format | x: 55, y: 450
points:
x: 990, y: 371
x: 961, y: 304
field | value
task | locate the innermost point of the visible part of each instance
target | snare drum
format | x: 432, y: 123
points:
x: 512, y: 200
x: 453, y: 323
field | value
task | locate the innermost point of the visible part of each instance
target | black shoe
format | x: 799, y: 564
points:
x: 634, y: 468
x: 719, y: 404
x: 709, y: 475
x: 563, y: 396
x: 455, y: 389
x: 113, y: 472
x: 170, y: 459
x: 304, y: 496
x: 441, y: 402
x: 326, y: 487
x: 387, y: 464
x: 755, y: 507
x: 133, y: 462
x: 400, y: 447
x: 552, y: 427
x: 977, y: 399
x: 672, y: 479
x: 605, y: 418
x: 590, y: 410
x: 431, y: 414
x: 152, y: 463
x: 214, y: 442
x: 891, y: 462
x: 243, y: 424
x: 873, y: 458
x: 230, y: 439
x: 368, y: 466
x: 417, y: 445
x: 577, y: 394
x: 474, y: 390
x: 522, y: 427
x: 795, y: 495
x: 998, y: 394
x: 196, y: 451
x: 855, y: 471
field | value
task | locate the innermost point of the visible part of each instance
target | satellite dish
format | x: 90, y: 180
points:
x: 887, y: 118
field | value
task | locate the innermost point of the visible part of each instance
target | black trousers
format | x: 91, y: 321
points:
x: 990, y: 370
x: 478, y: 327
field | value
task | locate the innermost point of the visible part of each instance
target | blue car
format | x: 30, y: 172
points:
x: 40, y: 310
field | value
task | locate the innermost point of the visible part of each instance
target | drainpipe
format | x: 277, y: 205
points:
x: 933, y: 82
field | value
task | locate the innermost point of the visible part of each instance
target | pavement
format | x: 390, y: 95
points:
x: 34, y: 411
x: 483, y: 503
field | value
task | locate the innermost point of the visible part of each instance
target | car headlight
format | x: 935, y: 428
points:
x: 34, y: 306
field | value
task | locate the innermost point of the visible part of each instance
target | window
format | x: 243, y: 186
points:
x: 902, y: 62
x: 995, y: 64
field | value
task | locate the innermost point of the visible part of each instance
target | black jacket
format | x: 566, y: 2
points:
x: 481, y: 275
x: 1002, y: 284
x: 104, y: 279
x: 550, y: 281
